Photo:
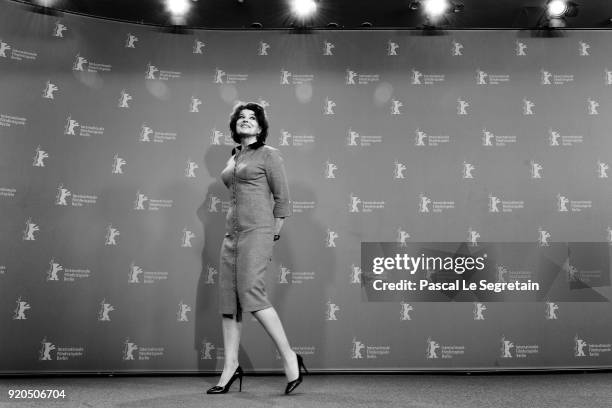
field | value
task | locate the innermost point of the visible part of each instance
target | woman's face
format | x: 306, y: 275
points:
x: 247, y: 124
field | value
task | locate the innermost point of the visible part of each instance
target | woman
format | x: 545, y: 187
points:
x: 259, y: 203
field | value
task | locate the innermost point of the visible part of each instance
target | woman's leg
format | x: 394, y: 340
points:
x: 232, y: 327
x: 273, y: 326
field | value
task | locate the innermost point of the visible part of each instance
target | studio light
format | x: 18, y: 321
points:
x: 303, y: 8
x: 556, y: 8
x: 178, y: 10
x: 435, y: 8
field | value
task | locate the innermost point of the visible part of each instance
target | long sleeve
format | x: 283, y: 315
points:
x: 277, y: 180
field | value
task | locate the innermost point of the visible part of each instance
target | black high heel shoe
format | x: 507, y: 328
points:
x: 292, y: 385
x: 222, y: 390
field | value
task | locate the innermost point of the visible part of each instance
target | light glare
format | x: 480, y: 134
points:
x: 177, y: 7
x: 556, y: 8
x: 435, y: 8
x: 303, y: 8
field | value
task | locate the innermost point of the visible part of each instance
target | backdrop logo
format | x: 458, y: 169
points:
x: 395, y: 107
x: 392, y: 48
x: 186, y: 238
x: 462, y: 107
x: 8, y: 120
x: 128, y: 350
x: 485, y: 78
x: 211, y: 271
x: 330, y: 169
x: 357, y: 205
x: 61, y: 353
x: 550, y: 311
x: 105, y: 309
x: 287, y: 139
x: 16, y: 54
x: 500, y: 141
x: 419, y: 78
x: 557, y: 139
x: 583, y: 49
x: 153, y: 204
x: 124, y: 99
x: 262, y: 48
x: 4, y: 47
x: 76, y: 200
x: 457, y: 49
x: 289, y: 78
x: 219, y: 138
x: 398, y: 170
x: 473, y: 236
x: 609, y: 234
x: 303, y: 206
x: 521, y: 49
x: 535, y: 170
x: 190, y: 169
x: 194, y: 105
x: 118, y: 164
x: 354, y: 78
x: 357, y: 349
x: 330, y: 240
x: 154, y: 73
x: 506, y: 206
x: 602, y: 169
x: 402, y: 236
x: 543, y: 237
x: 69, y: 274
x: 111, y: 235
x: 330, y: 311
x: 328, y: 107
x: 432, y: 348
x: 181, y: 315
x: 206, y: 350
x: 592, y: 107
x: 356, y: 139
x: 283, y: 272
x: 39, y: 157
x: 22, y: 306
x: 148, y: 277
x: 479, y: 308
x: 355, y: 273
x: 528, y: 107
x: 58, y: 30
x: 82, y: 64
x: 405, y: 310
x: 130, y: 41
x: 608, y: 75
x: 548, y: 78
x: 45, y: 351
x: 574, y: 205
x: 49, y: 90
x: 584, y: 349
x: 467, y: 170
x: 506, y: 348
x: 427, y: 205
x: 423, y: 139
x: 198, y: 46
x: 30, y: 229
x: 328, y: 48
x: 7, y: 192
x: 83, y: 130
x: 147, y: 134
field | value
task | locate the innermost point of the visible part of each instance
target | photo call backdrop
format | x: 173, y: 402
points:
x: 113, y: 136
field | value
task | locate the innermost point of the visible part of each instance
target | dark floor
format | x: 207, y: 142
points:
x: 563, y: 390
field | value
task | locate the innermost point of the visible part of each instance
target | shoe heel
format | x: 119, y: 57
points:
x: 240, y: 389
x: 301, y: 364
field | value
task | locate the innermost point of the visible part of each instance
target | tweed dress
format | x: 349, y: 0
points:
x: 256, y: 179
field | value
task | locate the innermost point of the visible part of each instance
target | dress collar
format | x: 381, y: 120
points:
x: 252, y: 146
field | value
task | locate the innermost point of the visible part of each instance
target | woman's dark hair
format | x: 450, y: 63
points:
x: 260, y: 115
